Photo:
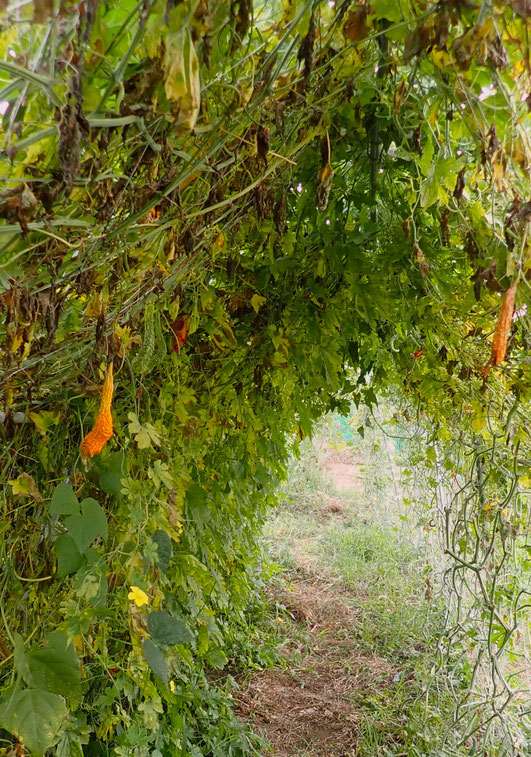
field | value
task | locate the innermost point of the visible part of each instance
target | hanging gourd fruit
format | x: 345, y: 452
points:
x: 95, y: 440
x: 501, y: 334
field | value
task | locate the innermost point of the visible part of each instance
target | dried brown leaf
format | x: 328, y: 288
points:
x: 355, y: 27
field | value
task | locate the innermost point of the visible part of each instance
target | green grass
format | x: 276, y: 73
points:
x: 387, y: 577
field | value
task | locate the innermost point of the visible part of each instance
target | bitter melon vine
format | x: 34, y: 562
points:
x: 253, y: 212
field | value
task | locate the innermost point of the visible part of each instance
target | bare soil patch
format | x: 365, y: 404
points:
x: 312, y: 707
x: 341, y: 469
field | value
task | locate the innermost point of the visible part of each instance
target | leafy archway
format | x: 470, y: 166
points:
x: 231, y: 204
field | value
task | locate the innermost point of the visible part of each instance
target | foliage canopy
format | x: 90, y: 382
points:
x: 256, y: 211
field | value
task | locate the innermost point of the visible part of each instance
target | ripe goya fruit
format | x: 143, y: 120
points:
x: 97, y: 438
x: 501, y: 335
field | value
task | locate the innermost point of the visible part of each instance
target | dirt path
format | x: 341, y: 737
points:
x: 313, y: 705
x: 341, y: 469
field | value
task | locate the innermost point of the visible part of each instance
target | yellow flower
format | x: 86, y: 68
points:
x: 138, y: 596
x: 172, y: 686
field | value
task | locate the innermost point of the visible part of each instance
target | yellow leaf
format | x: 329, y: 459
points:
x: 95, y: 306
x: 25, y: 486
x: 326, y: 173
x: 498, y: 173
x: 45, y: 420
x: 29, y: 339
x: 127, y: 337
x: 227, y: 329
x: 155, y: 28
x: 138, y: 596
x: 15, y: 343
x: 246, y: 92
x: 257, y: 301
x: 440, y: 57
x: 218, y: 244
x: 181, y: 79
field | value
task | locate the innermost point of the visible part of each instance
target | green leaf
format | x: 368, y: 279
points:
x: 145, y: 435
x: 64, y: 501
x: 91, y: 583
x: 164, y: 548
x: 167, y: 630
x: 86, y: 527
x: 68, y: 747
x: 76, y: 732
x: 19, y: 656
x: 195, y: 496
x: 56, y: 667
x: 97, y: 749
x: 156, y: 660
x: 388, y: 9
x: 111, y: 472
x: 217, y: 658
x: 95, y: 513
x: 426, y: 162
x: 34, y: 716
x: 69, y: 557
x: 428, y: 192
x: 77, y: 528
x: 160, y: 474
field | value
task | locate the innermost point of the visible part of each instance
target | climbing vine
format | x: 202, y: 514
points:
x: 242, y: 214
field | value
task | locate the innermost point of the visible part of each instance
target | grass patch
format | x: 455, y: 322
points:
x: 387, y: 576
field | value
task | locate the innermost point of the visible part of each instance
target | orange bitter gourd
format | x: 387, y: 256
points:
x: 95, y: 440
x: 501, y: 334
